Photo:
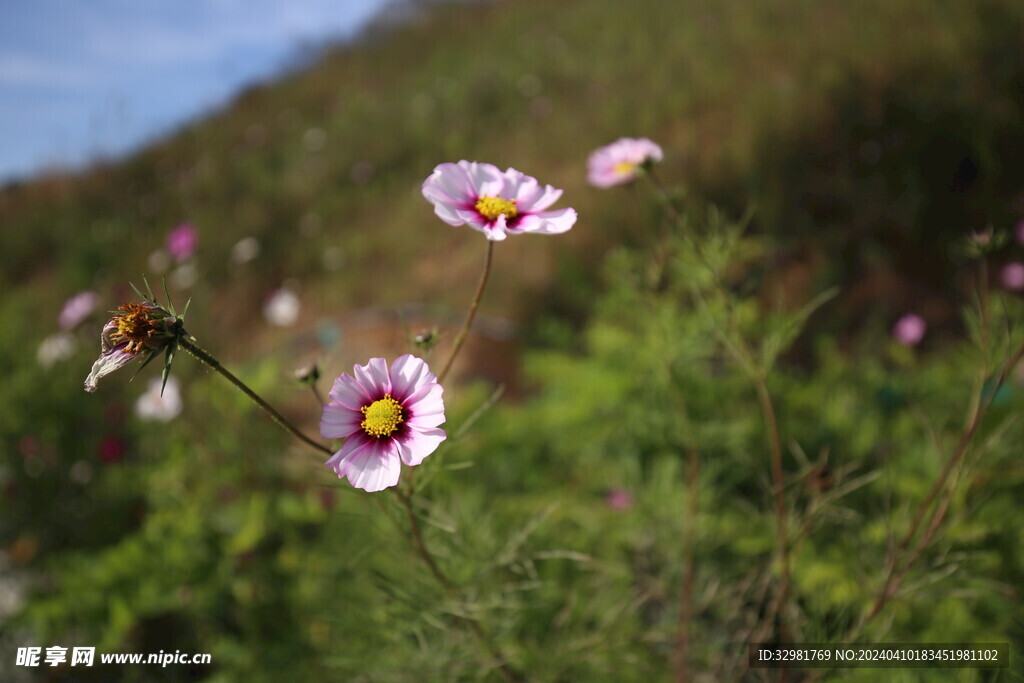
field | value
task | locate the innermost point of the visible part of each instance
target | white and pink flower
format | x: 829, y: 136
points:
x: 494, y: 202
x: 386, y: 417
x: 621, y: 161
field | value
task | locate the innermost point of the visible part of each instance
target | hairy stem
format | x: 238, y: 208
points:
x: 204, y: 357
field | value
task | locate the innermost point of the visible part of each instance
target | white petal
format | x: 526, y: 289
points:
x: 104, y: 365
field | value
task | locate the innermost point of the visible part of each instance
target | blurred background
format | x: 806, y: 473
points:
x: 267, y: 161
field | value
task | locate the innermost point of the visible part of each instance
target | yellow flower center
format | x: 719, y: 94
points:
x: 625, y: 167
x: 382, y: 417
x: 134, y: 326
x: 492, y: 207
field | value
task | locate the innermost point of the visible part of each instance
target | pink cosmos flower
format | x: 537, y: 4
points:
x: 909, y: 329
x: 621, y: 161
x: 1012, y: 276
x: 495, y: 203
x: 182, y: 241
x: 386, y: 418
x: 76, y: 309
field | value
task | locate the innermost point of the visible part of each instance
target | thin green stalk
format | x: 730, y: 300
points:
x: 420, y: 546
x: 204, y: 357
x: 470, y: 314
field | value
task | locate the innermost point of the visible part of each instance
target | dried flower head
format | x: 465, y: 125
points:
x: 137, y: 330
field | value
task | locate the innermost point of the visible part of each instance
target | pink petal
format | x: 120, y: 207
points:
x: 338, y: 421
x: 375, y: 466
x: 373, y: 377
x: 448, y: 183
x: 409, y: 373
x: 487, y: 180
x: 349, y: 393
x: 546, y: 199
x: 417, y: 444
x: 426, y: 405
x: 548, y: 222
x: 337, y: 461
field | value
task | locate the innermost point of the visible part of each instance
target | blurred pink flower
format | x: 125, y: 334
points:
x: 1012, y: 276
x: 386, y: 418
x: 909, y: 329
x: 1020, y: 231
x: 619, y: 499
x: 182, y: 241
x: 496, y: 203
x: 621, y: 161
x: 76, y: 309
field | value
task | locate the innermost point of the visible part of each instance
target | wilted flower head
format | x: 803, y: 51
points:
x: 76, y: 309
x: 161, y: 403
x: 386, y: 418
x: 494, y: 202
x: 282, y: 307
x: 134, y: 329
x: 182, y: 241
x: 621, y: 161
x: 909, y: 329
x: 1012, y: 276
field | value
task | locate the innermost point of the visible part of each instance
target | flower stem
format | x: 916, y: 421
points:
x: 204, y: 357
x: 673, y: 212
x: 416, y: 533
x: 686, y: 594
x: 470, y: 314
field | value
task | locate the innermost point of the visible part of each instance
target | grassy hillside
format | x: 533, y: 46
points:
x: 868, y: 139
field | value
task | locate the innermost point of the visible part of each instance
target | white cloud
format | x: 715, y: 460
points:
x: 18, y: 69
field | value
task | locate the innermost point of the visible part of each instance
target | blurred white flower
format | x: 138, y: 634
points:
x: 159, y: 261
x: 282, y: 308
x: 54, y: 348
x: 245, y: 250
x: 152, y: 406
x: 185, y: 275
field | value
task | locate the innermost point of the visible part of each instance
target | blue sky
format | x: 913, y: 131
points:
x: 84, y: 78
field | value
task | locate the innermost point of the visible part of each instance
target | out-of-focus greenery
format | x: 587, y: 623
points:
x: 870, y: 137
